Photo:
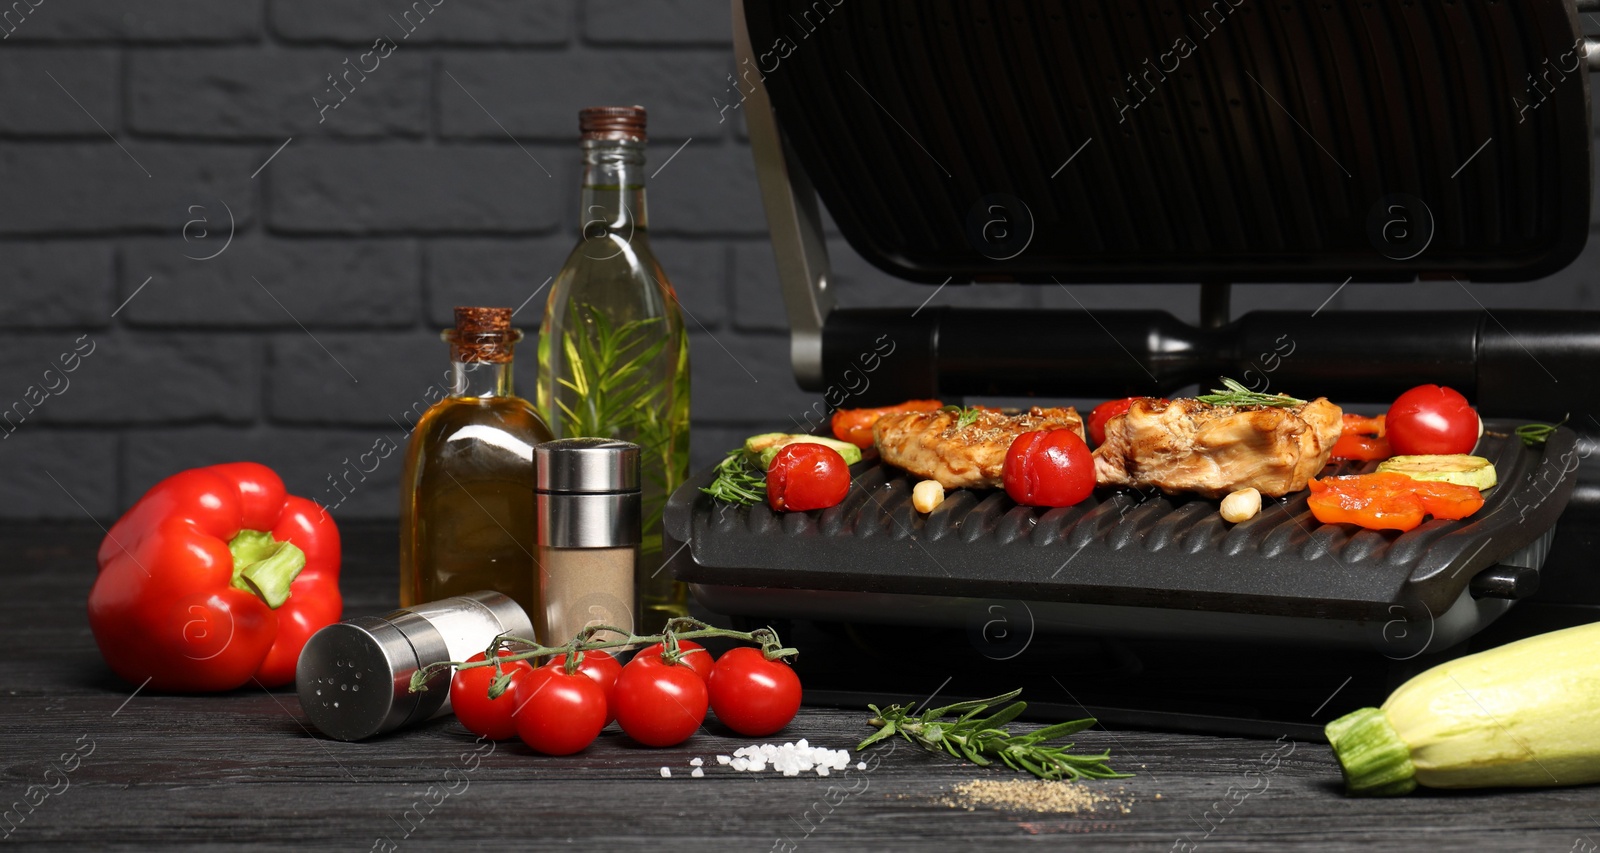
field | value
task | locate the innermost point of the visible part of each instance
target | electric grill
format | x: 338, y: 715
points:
x: 1167, y: 141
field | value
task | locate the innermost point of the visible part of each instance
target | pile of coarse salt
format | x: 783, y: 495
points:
x: 790, y: 759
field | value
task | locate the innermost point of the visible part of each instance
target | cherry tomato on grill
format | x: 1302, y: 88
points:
x: 469, y: 698
x: 1105, y: 412
x: 601, y: 667
x: 660, y: 704
x: 1432, y: 419
x: 752, y: 695
x: 807, y: 476
x: 557, y: 713
x: 692, y: 655
x: 1049, y: 468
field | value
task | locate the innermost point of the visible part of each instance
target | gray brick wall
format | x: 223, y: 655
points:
x: 217, y: 306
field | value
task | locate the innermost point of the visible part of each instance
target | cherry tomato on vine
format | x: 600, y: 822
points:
x: 693, y: 656
x: 1049, y: 468
x: 1432, y: 419
x: 752, y: 695
x: 601, y: 667
x: 660, y: 704
x: 557, y: 713
x: 806, y: 476
x: 469, y: 698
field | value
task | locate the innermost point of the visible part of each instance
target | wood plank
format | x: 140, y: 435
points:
x: 242, y: 769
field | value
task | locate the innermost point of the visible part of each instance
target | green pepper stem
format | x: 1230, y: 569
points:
x: 264, y: 566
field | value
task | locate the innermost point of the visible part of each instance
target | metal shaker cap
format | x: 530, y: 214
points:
x: 354, y: 677
x: 587, y: 465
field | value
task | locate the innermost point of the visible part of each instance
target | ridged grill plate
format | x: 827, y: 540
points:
x: 1124, y: 547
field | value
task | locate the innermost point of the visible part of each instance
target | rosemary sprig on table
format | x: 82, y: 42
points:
x: 977, y: 738
x: 738, y: 481
x: 1233, y: 393
x: 1535, y: 435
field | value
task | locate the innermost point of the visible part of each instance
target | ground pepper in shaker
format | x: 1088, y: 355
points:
x: 588, y: 502
x: 354, y: 677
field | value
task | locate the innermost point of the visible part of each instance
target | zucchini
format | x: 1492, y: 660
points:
x: 1459, y: 468
x: 1526, y: 714
x: 761, y: 448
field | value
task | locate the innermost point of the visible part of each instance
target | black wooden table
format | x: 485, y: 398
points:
x: 243, y: 769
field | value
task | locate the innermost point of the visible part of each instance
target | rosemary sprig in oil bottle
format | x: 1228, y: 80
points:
x: 978, y: 738
x: 1233, y: 393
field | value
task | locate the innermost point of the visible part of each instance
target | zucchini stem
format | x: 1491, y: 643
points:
x: 1376, y: 762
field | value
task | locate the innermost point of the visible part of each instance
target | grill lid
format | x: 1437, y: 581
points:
x: 1185, y: 140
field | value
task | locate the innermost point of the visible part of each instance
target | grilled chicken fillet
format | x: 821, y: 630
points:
x: 1190, y: 446
x: 931, y: 446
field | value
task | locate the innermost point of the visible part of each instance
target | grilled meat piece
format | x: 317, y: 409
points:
x: 1190, y: 446
x: 931, y: 446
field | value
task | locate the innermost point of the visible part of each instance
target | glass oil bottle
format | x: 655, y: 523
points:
x: 467, y: 519
x: 613, y: 354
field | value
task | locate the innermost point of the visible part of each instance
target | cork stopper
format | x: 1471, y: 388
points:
x: 482, y: 334
x: 624, y: 123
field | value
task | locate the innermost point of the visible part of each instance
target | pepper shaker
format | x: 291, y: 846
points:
x: 588, y: 503
x: 354, y: 677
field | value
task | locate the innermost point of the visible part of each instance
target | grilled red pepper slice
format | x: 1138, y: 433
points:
x: 1362, y: 439
x: 1389, y: 501
x: 217, y: 576
x: 855, y: 425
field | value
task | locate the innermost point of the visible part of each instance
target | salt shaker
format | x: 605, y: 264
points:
x: 588, y: 503
x: 354, y: 677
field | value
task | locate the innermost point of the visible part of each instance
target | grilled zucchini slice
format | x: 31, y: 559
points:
x: 1459, y: 468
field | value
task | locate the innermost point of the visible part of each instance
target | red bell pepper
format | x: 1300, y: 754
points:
x: 215, y: 577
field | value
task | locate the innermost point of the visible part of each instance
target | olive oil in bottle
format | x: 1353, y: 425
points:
x: 467, y: 519
x: 613, y: 355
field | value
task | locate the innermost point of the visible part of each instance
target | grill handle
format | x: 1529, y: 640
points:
x: 1520, y: 364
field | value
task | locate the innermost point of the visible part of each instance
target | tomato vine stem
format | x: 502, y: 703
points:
x: 677, y: 628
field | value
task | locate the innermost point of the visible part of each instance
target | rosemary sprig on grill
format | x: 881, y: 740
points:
x: 1535, y: 435
x: 738, y: 481
x: 966, y: 415
x: 1233, y: 393
x: 978, y: 738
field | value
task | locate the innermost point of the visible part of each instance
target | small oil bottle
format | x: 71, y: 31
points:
x: 467, y: 519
